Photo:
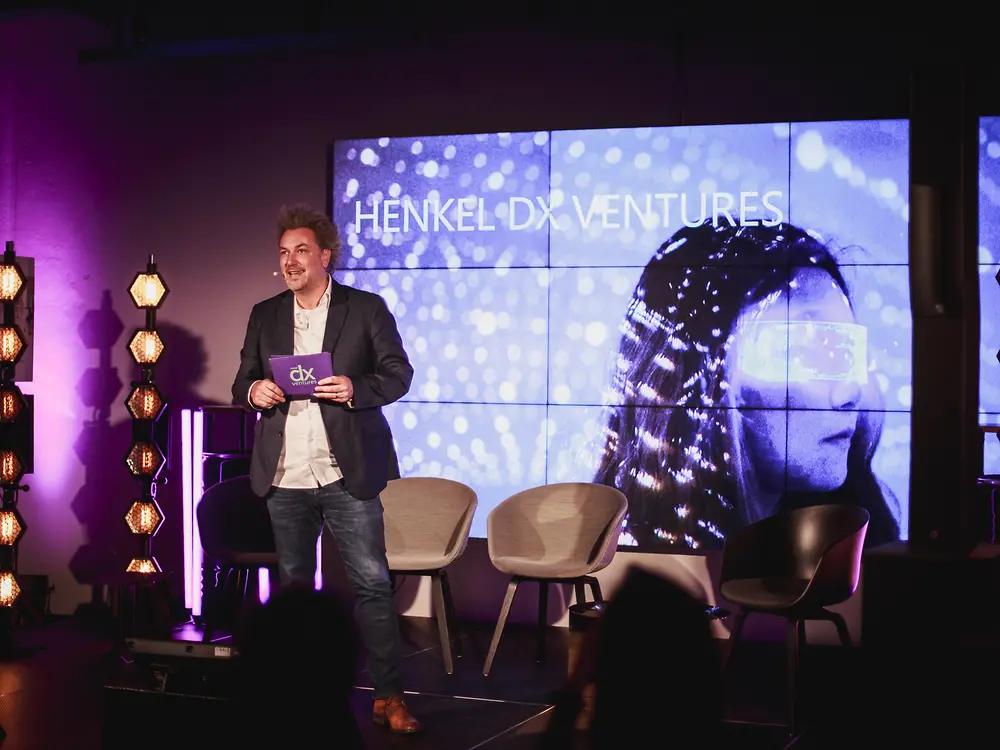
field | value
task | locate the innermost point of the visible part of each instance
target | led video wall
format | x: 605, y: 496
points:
x: 713, y: 319
x: 989, y: 285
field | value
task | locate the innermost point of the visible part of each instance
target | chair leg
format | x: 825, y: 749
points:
x: 543, y: 620
x: 504, y: 611
x: 441, y: 615
x: 842, y: 631
x: 595, y: 588
x: 207, y: 604
x: 242, y: 584
x: 792, y: 666
x: 449, y: 608
x: 405, y: 632
x: 235, y: 598
x: 580, y: 591
x: 215, y: 603
x: 734, y: 637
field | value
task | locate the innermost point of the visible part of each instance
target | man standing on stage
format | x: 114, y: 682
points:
x: 327, y: 457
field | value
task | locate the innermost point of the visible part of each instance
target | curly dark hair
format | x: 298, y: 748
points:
x: 305, y: 217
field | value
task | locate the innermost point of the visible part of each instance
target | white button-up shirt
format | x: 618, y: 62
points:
x: 306, y: 460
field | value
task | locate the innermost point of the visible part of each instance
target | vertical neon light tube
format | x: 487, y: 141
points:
x: 187, y: 507
x: 264, y: 584
x: 197, y: 490
x: 319, y: 561
x: 263, y: 575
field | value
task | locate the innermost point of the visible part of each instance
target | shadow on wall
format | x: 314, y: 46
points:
x: 102, y: 446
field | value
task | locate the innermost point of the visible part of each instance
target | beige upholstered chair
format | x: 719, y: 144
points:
x: 558, y: 533
x: 427, y: 523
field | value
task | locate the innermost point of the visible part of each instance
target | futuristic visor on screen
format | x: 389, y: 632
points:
x: 805, y: 351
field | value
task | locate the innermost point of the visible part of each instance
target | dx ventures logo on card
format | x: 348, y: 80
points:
x: 302, y: 375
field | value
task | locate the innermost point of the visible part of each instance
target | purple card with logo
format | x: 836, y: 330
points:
x: 298, y: 374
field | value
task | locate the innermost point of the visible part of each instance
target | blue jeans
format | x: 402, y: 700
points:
x: 297, y: 517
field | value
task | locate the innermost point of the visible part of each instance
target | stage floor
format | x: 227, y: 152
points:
x: 461, y: 711
x: 65, y: 691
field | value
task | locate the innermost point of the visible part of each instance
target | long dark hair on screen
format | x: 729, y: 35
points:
x: 682, y: 462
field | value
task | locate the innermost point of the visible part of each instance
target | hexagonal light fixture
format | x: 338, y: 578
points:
x: 12, y: 403
x: 12, y: 280
x: 144, y: 517
x: 148, y: 290
x: 12, y: 527
x: 144, y: 565
x: 145, y: 402
x: 11, y: 468
x: 145, y: 347
x: 144, y: 460
x: 9, y: 590
x: 12, y: 345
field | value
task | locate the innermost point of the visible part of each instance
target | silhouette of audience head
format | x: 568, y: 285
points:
x: 656, y: 663
x: 298, y: 660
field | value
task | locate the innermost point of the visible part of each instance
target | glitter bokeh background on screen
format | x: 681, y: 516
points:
x: 989, y: 288
x: 512, y: 332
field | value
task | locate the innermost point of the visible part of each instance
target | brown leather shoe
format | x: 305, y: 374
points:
x: 393, y: 713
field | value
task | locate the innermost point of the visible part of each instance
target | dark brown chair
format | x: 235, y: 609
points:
x: 236, y: 533
x: 795, y: 565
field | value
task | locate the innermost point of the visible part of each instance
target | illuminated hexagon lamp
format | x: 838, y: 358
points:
x: 9, y: 590
x: 144, y: 402
x: 145, y: 347
x: 12, y: 403
x: 144, y: 460
x: 148, y: 289
x: 143, y: 518
x: 12, y: 527
x: 144, y: 565
x: 11, y: 468
x: 12, y: 279
x: 12, y: 345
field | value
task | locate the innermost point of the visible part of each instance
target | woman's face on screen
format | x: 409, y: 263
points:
x: 802, y: 363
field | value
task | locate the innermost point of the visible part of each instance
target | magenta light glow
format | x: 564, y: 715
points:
x: 58, y: 415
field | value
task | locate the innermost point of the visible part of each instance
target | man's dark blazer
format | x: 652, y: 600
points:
x: 362, y: 336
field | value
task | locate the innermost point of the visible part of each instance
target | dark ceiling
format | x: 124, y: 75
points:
x: 144, y: 27
x: 170, y: 21
x: 157, y: 21
x: 192, y: 27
